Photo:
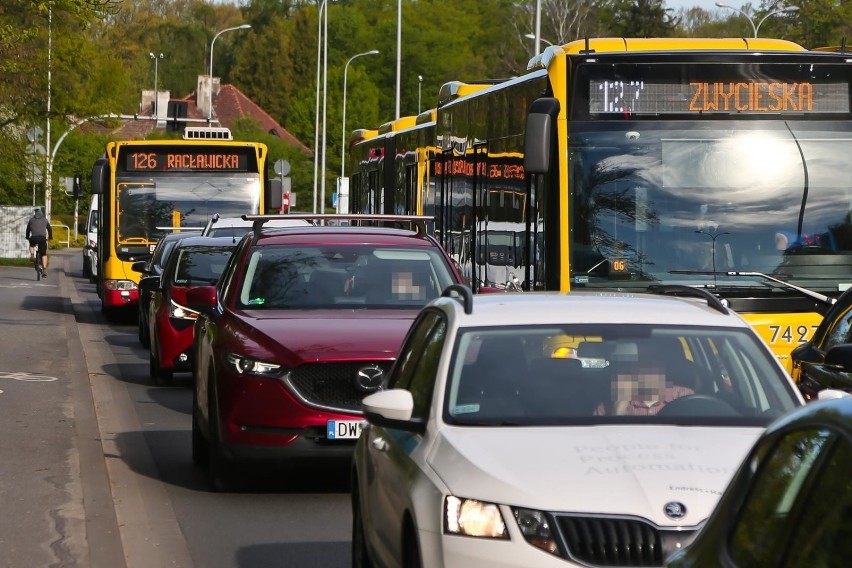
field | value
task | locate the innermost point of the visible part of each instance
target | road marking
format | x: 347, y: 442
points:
x: 27, y: 377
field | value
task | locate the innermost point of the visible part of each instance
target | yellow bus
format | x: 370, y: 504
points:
x: 149, y: 188
x: 713, y: 163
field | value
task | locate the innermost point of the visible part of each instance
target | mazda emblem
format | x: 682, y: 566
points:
x: 369, y: 379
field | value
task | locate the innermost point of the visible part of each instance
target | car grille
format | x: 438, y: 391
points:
x: 613, y: 541
x: 331, y: 385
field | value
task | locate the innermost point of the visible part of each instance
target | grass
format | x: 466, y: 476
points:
x: 15, y: 262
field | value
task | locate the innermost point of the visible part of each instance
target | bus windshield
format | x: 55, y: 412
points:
x: 148, y: 208
x: 673, y: 201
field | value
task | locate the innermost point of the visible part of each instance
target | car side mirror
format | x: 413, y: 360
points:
x: 202, y: 299
x: 139, y: 266
x: 392, y: 409
x: 840, y: 357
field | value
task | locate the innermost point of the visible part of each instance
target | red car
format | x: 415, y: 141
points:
x: 303, y: 324
x: 194, y: 261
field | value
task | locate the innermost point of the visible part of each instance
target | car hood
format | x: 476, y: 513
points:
x: 625, y: 470
x: 327, y: 335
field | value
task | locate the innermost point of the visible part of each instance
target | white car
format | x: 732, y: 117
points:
x: 237, y: 226
x: 525, y: 429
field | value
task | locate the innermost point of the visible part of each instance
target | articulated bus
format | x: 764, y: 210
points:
x: 390, y: 166
x: 714, y: 163
x: 149, y: 188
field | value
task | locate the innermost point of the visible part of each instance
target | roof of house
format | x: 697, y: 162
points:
x: 229, y: 105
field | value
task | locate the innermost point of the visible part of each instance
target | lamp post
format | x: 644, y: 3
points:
x: 320, y: 8
x: 156, y: 92
x: 398, y: 51
x: 210, y: 90
x: 715, y: 234
x: 419, y: 91
x: 532, y: 37
x: 343, y: 142
x: 755, y: 28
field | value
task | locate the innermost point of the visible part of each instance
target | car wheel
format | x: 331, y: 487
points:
x: 200, y: 446
x: 87, y: 269
x: 360, y: 556
x: 217, y: 466
x: 160, y: 375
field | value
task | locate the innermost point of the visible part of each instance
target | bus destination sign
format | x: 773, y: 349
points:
x: 721, y: 97
x: 185, y: 160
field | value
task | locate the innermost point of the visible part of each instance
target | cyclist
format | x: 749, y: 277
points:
x: 39, y: 232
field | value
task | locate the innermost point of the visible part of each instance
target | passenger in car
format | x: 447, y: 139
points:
x: 640, y: 392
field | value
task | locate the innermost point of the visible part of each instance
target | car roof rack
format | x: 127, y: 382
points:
x: 418, y: 221
x: 692, y: 292
x: 463, y: 293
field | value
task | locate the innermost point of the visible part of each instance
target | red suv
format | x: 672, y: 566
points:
x: 302, y: 325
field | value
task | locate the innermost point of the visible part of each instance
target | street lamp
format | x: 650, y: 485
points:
x: 156, y: 92
x: 532, y: 36
x: 343, y: 143
x: 419, y: 91
x: 754, y: 27
x: 210, y: 90
x: 398, y: 51
x: 715, y: 234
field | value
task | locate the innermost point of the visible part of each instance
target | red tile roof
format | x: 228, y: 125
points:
x: 229, y: 105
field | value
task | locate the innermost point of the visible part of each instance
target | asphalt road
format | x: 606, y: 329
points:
x: 95, y: 466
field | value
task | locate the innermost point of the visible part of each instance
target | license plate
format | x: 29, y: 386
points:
x: 344, y: 429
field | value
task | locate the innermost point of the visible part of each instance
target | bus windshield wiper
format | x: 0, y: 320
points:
x: 810, y: 293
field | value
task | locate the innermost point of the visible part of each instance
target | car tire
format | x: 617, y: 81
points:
x: 87, y: 268
x: 218, y: 468
x: 200, y: 445
x: 160, y: 375
x: 360, y: 556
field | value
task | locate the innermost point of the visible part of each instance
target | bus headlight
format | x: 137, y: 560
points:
x: 120, y: 285
x: 469, y: 517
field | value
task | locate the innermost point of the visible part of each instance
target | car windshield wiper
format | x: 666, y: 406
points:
x: 804, y: 291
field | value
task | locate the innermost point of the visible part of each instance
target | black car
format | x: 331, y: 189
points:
x: 151, y: 270
x: 790, y: 503
x: 825, y: 362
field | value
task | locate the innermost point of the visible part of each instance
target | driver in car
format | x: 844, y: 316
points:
x: 640, y: 392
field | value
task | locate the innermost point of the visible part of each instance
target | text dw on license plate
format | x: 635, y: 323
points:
x: 344, y: 429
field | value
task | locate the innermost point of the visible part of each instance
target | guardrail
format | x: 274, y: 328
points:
x: 67, y: 241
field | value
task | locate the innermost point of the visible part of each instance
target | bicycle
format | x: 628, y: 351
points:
x: 37, y: 264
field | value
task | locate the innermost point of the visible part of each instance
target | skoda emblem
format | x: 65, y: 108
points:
x: 369, y: 379
x: 675, y: 510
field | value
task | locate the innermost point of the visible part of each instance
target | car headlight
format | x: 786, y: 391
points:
x: 248, y: 366
x: 181, y: 312
x: 535, y: 526
x: 469, y: 517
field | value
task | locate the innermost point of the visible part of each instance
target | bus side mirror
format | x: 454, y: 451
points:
x: 538, y: 137
x: 276, y: 194
x: 100, y: 175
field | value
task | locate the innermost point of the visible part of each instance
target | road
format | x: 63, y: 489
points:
x: 95, y: 466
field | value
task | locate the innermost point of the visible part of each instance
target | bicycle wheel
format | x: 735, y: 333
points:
x: 37, y: 266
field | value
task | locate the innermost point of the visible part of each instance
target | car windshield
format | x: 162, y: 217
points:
x: 343, y: 276
x: 200, y: 266
x: 546, y: 375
